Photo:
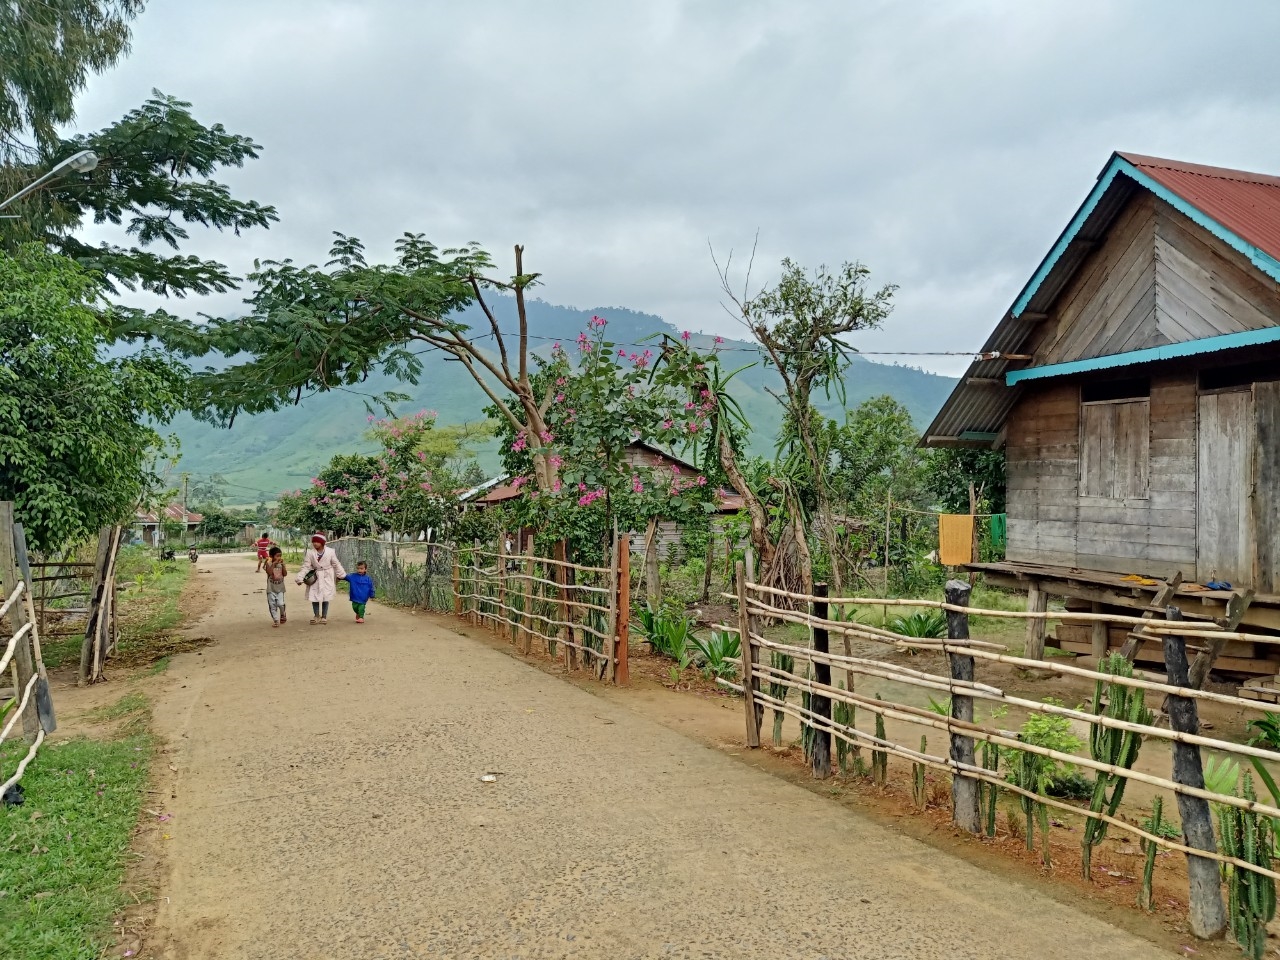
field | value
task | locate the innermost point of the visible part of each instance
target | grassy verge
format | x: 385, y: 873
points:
x: 63, y: 853
x: 150, y: 608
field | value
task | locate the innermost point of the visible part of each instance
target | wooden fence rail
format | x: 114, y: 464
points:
x: 576, y: 611
x: 764, y: 674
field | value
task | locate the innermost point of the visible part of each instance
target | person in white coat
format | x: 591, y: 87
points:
x: 323, y: 587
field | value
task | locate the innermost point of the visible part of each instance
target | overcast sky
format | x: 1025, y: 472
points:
x: 945, y: 145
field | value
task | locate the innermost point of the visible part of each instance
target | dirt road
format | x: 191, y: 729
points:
x: 328, y: 803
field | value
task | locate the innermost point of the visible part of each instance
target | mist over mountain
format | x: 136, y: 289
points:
x: 262, y: 455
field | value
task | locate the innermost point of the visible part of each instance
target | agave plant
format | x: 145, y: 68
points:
x: 924, y: 625
x: 716, y: 653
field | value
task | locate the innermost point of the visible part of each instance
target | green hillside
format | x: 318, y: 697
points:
x: 262, y: 455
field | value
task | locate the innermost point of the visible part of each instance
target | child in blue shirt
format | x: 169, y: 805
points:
x: 360, y: 586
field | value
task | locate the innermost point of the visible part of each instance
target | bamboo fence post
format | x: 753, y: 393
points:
x: 530, y: 591
x: 1208, y: 917
x: 623, y: 674
x: 474, y: 591
x: 502, y: 573
x: 966, y: 802
x: 456, y: 581
x: 820, y: 703
x: 95, y: 600
x: 43, y: 699
x: 562, y: 579
x: 748, y: 647
x: 24, y: 665
x: 1100, y: 639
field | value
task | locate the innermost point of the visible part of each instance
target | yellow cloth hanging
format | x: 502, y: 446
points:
x: 955, y: 538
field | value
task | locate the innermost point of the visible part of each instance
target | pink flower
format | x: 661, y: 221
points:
x: 719, y: 340
x: 667, y: 424
x: 555, y: 486
x: 702, y: 481
x: 547, y: 436
x: 560, y: 381
x: 581, y: 487
x: 622, y: 353
x: 520, y: 442
x: 693, y: 426
x: 559, y: 398
x: 636, y: 485
x: 685, y: 336
x: 556, y: 461
x: 519, y: 482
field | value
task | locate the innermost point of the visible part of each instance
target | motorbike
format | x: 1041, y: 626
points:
x: 166, y: 554
x: 192, y: 555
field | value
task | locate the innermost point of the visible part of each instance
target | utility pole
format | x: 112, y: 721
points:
x: 186, y: 479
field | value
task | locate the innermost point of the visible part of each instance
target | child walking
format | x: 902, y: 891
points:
x: 360, y: 585
x: 276, y: 573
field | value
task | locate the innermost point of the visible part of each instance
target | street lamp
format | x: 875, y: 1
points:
x: 81, y: 162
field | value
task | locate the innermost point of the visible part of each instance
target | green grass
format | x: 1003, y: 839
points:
x: 159, y: 667
x: 63, y: 853
x: 129, y: 703
x: 150, y: 608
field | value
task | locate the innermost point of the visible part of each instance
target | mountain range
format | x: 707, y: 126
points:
x: 262, y: 455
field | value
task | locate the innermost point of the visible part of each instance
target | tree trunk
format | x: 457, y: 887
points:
x: 755, y: 509
x: 652, y: 579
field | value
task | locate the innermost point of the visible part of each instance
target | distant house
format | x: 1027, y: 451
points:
x: 638, y: 454
x: 146, y: 525
x: 1134, y: 385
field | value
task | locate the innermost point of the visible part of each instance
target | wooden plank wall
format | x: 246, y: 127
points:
x: 1266, y: 505
x: 1051, y: 522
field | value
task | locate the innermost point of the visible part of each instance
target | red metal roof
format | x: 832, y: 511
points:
x: 1247, y: 204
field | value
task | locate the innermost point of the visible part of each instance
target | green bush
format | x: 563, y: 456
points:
x: 714, y: 654
x: 924, y: 624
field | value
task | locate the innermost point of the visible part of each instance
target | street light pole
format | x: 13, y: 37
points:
x: 82, y: 162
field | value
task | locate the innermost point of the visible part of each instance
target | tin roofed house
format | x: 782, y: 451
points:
x: 1134, y: 385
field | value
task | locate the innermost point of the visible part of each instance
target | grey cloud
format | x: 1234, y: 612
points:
x: 943, y: 145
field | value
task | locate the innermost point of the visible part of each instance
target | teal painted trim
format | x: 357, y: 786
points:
x: 977, y: 435
x: 1260, y: 259
x: 1170, y: 351
x: 1073, y: 228
x: 1118, y: 165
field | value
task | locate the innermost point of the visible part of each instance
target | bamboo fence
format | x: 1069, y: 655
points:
x: 21, y: 658
x: 810, y: 677
x: 408, y: 574
x: 573, y: 611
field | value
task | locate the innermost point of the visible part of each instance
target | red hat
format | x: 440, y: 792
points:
x: 319, y: 536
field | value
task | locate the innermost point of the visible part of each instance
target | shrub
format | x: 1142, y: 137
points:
x: 716, y: 653
x: 924, y: 624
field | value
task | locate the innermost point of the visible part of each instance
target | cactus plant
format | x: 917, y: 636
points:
x: 778, y: 690
x: 917, y: 777
x: 879, y: 758
x: 843, y: 714
x: 1251, y: 902
x: 1112, y: 746
x: 1149, y: 848
x: 990, y: 792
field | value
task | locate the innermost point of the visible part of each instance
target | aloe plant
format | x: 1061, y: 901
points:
x: 924, y: 625
x: 717, y: 652
x: 778, y: 690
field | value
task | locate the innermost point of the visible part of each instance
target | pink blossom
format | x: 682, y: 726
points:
x: 622, y: 353
x: 719, y: 340
x: 519, y: 482
x: 693, y: 426
x: 702, y: 481
x: 555, y: 486
x: 667, y: 424
x: 636, y: 485
x: 520, y: 442
x: 685, y: 336
x: 547, y: 436
x: 560, y: 381
x: 559, y: 398
x: 690, y: 405
x: 556, y: 461
x: 581, y: 487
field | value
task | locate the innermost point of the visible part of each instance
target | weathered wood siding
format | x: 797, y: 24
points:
x: 1266, y: 502
x: 1224, y: 486
x: 1054, y: 520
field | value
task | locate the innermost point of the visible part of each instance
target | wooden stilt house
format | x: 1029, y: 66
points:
x: 1134, y: 385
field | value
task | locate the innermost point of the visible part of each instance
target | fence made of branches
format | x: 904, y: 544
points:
x: 570, y: 610
x: 28, y: 701
x: 827, y: 692
x: 407, y: 574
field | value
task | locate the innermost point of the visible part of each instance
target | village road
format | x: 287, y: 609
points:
x: 328, y: 803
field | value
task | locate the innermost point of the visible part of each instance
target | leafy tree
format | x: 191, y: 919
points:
x: 77, y: 441
x: 217, y: 524
x: 209, y: 492
x: 953, y: 469
x: 154, y: 178
x: 800, y: 323
x: 48, y: 49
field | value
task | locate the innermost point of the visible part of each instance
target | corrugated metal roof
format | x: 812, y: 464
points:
x: 1242, y: 208
x: 1247, y: 204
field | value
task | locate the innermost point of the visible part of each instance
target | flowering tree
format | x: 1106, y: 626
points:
x: 598, y: 399
x: 392, y: 490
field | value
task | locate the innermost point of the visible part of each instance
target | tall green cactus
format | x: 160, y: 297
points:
x: 1251, y: 901
x: 989, y: 791
x: 917, y: 777
x: 1149, y: 849
x: 879, y: 758
x: 843, y: 715
x: 1112, y: 746
x: 778, y: 690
